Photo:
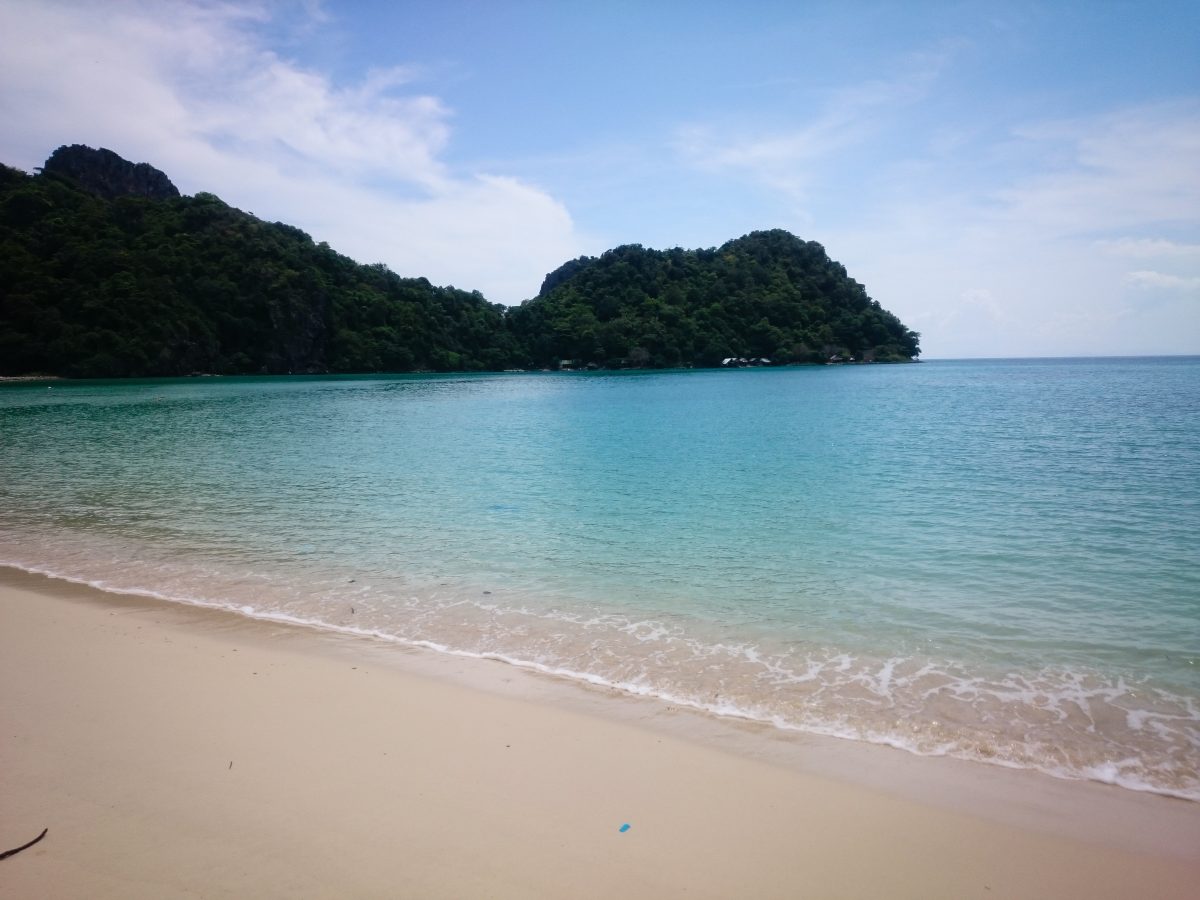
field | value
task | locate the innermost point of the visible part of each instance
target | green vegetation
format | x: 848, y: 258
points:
x: 128, y: 286
x: 133, y: 286
x: 768, y: 295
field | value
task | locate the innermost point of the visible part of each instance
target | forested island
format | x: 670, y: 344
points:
x: 107, y: 271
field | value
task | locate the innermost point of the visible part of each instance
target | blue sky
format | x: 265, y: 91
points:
x: 1011, y: 179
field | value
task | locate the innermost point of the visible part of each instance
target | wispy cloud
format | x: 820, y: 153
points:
x: 1142, y: 248
x: 1041, y: 241
x: 1133, y: 168
x: 301, y: 121
x: 192, y: 88
x: 1149, y: 278
x: 793, y: 157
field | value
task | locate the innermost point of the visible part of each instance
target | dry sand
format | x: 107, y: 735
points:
x: 178, y: 752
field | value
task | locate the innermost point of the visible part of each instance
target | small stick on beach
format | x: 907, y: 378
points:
x: 7, y: 853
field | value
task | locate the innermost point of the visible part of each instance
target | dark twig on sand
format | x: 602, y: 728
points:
x: 7, y: 853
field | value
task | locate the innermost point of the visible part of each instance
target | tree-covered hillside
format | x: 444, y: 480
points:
x: 91, y: 287
x: 768, y: 295
x: 105, y: 271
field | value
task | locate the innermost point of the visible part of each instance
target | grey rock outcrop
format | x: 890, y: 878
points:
x: 105, y: 174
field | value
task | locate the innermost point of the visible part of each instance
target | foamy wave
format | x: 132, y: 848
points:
x: 1063, y: 723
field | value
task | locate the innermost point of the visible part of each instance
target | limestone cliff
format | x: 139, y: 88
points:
x: 107, y: 175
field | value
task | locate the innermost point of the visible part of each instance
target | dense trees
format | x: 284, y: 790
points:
x: 766, y: 295
x: 132, y: 286
x: 99, y: 287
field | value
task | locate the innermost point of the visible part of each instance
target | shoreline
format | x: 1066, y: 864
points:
x: 748, y: 718
x: 173, y: 749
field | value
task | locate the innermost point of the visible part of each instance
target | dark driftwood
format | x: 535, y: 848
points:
x: 7, y: 853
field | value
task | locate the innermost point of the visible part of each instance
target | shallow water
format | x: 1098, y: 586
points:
x: 989, y: 559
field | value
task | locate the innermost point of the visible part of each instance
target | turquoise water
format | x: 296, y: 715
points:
x: 989, y: 559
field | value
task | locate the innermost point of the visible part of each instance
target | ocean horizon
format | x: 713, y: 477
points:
x: 986, y: 559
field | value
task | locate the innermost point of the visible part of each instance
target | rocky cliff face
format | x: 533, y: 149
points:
x: 107, y: 175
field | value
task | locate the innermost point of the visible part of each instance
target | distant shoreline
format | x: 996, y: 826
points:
x: 566, y: 370
x: 388, y: 374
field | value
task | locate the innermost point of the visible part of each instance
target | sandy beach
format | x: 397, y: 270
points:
x: 182, y: 752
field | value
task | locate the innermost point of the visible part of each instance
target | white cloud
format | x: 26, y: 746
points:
x: 1131, y: 168
x: 1152, y: 279
x: 192, y: 89
x: 1033, y: 240
x: 794, y: 158
x: 1143, y: 248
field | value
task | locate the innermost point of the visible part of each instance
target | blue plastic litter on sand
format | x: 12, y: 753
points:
x: 624, y: 828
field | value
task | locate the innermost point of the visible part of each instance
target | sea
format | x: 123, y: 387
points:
x: 997, y: 560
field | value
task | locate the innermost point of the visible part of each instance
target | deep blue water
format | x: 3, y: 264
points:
x: 990, y: 559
